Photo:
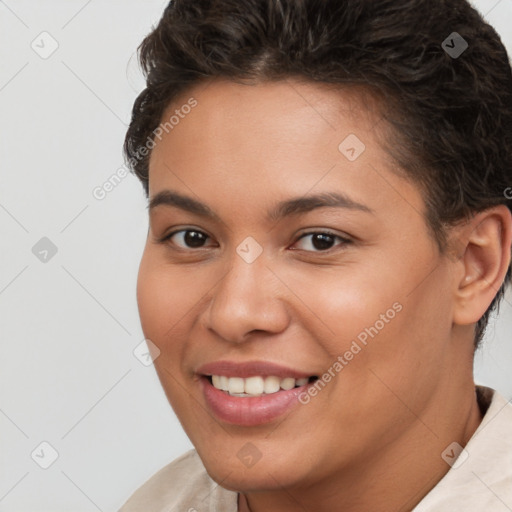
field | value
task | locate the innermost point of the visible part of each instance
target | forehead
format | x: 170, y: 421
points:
x: 269, y: 107
x: 247, y: 142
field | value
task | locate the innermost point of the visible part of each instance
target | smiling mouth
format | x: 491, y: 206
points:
x: 256, y: 385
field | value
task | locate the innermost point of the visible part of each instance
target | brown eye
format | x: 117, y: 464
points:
x: 188, y: 238
x: 318, y: 242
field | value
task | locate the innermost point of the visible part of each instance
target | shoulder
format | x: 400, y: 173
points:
x: 182, y: 485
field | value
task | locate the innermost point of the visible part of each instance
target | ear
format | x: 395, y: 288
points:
x: 484, y: 247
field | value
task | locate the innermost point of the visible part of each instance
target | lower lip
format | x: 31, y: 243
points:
x: 249, y: 411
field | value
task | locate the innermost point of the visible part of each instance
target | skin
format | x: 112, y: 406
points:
x: 372, y: 439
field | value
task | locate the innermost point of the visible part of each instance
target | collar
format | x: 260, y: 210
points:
x: 480, y: 478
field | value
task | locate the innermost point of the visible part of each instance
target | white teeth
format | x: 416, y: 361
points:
x: 224, y: 383
x: 288, y: 383
x: 272, y: 385
x: 255, y: 386
x: 235, y: 385
x: 216, y: 381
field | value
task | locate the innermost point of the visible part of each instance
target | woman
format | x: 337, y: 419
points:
x: 329, y: 230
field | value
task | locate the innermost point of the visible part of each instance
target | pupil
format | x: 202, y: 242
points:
x: 322, y: 241
x: 194, y: 239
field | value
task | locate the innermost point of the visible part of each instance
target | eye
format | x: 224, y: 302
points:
x: 320, y: 241
x: 187, y: 238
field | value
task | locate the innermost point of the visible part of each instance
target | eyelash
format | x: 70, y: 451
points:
x: 344, y: 241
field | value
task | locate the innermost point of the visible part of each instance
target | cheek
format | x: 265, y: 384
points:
x: 163, y: 306
x: 151, y: 298
x: 392, y: 317
x: 339, y: 304
x: 407, y: 354
x: 164, y: 293
x: 163, y: 302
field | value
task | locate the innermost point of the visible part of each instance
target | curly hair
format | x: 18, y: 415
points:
x: 450, y: 113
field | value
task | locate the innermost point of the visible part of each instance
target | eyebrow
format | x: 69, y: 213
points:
x: 287, y: 208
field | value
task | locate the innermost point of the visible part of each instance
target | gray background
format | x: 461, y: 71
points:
x: 69, y: 325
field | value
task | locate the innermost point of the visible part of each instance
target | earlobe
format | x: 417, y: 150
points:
x: 486, y: 242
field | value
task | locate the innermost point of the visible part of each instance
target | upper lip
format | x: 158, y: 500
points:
x: 250, y: 369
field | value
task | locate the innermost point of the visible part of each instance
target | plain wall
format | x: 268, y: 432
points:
x: 69, y: 325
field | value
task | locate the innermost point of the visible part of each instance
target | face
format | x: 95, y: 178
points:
x: 284, y: 252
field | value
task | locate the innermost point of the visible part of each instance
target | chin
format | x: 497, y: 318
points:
x: 249, y: 479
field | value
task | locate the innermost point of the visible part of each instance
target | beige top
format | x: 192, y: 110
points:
x: 479, y: 479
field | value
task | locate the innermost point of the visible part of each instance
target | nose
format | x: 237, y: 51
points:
x: 245, y: 301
